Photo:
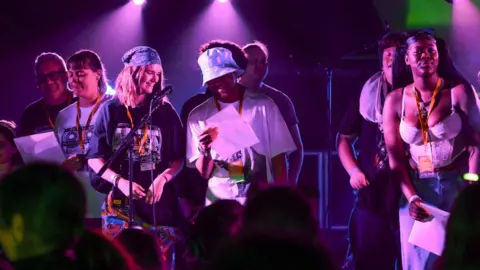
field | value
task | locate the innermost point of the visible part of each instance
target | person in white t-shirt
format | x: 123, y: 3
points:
x: 231, y: 177
x: 74, y: 124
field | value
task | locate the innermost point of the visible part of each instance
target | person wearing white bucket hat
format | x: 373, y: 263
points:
x: 230, y: 178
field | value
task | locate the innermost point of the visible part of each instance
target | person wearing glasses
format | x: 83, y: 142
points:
x: 40, y: 116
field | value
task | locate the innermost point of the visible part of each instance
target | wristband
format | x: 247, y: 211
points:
x: 116, y: 179
x: 413, y: 197
x: 203, y: 153
x: 353, y: 170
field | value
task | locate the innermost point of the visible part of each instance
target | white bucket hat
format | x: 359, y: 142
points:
x: 217, y: 62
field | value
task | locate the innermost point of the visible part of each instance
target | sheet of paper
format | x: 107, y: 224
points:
x: 40, y: 147
x: 430, y: 235
x: 234, y: 133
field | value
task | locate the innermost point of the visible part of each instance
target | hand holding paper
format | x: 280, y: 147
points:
x: 430, y: 235
x: 234, y: 133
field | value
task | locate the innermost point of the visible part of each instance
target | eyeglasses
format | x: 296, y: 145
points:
x: 53, y: 76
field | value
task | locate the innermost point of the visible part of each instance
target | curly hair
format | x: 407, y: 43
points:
x: 238, y: 54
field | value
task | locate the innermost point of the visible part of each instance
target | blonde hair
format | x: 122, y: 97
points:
x: 126, y: 85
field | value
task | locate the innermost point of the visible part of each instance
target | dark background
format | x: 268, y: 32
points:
x: 305, y: 38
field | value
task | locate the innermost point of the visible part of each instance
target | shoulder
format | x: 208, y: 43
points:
x: 199, y: 111
x: 65, y: 112
x: 462, y: 89
x: 275, y: 94
x: 33, y: 107
x: 395, y: 95
x: 110, y: 102
x: 259, y: 98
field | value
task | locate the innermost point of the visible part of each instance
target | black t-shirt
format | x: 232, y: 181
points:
x: 167, y: 140
x: 382, y: 195
x: 35, y: 117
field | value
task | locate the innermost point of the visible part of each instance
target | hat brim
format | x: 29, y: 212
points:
x: 213, y: 73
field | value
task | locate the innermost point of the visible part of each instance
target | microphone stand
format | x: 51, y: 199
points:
x: 128, y: 143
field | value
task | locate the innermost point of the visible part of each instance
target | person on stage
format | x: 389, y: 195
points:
x: 436, y: 115
x: 374, y: 216
x: 230, y: 177
x: 255, y: 73
x: 158, y: 152
x: 51, y: 74
x: 74, y: 124
x: 192, y: 185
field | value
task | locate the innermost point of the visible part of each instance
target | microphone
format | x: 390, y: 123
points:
x: 162, y: 93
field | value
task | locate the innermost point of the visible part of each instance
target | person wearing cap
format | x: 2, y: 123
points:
x: 265, y: 162
x: 158, y: 152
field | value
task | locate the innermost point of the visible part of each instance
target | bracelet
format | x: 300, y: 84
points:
x: 115, y: 179
x: 414, y: 197
x: 353, y: 170
x: 203, y: 153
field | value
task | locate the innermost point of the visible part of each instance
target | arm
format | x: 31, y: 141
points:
x: 203, y: 162
x: 281, y: 143
x: 295, y: 158
x: 350, y: 129
x: 279, y: 167
x: 205, y: 165
x: 346, y: 151
x: 394, y: 143
x: 176, y: 144
x: 469, y: 104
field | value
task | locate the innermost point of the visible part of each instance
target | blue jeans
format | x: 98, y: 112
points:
x: 440, y: 191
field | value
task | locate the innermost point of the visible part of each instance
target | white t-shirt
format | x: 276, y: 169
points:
x: 67, y: 135
x: 261, y: 113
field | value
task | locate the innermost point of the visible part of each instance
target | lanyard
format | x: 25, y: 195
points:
x: 240, y: 104
x: 423, y: 119
x: 141, y: 143
x: 81, y: 132
x: 48, y: 116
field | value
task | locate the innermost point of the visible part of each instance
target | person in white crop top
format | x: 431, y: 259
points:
x: 437, y: 116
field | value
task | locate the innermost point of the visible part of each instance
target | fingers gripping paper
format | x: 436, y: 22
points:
x: 430, y: 235
x: 234, y: 133
x: 40, y: 147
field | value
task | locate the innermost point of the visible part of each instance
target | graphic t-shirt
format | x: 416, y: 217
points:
x: 35, y: 118
x: 165, y: 143
x: 69, y: 140
x: 261, y: 113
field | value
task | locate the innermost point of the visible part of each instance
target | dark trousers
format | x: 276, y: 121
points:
x: 373, y: 242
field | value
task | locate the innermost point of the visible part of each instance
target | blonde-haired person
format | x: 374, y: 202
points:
x: 158, y: 151
x: 74, y: 124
